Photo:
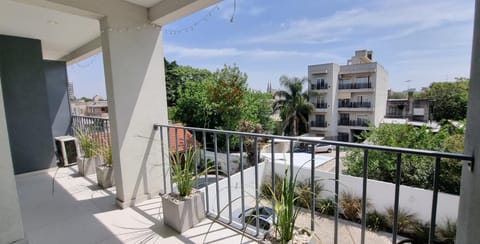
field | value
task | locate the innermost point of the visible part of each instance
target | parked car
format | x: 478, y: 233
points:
x: 264, y: 216
x: 320, y: 147
x: 323, y: 148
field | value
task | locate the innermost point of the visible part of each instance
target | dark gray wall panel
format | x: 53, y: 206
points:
x: 26, y: 104
x: 59, y: 104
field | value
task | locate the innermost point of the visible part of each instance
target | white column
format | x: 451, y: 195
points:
x: 135, y: 82
x: 469, y: 207
x: 11, y: 226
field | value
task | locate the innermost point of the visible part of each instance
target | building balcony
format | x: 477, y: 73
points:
x: 319, y: 124
x: 358, y: 122
x: 348, y: 104
x: 352, y: 86
x: 77, y: 210
x: 321, y: 105
x: 319, y: 86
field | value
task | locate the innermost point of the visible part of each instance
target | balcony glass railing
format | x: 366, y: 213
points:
x: 357, y: 122
x: 240, y: 186
x: 321, y: 124
x: 344, y: 86
x: 319, y: 86
x: 349, y: 104
x: 321, y: 105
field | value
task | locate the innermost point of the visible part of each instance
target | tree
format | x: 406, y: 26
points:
x: 215, y: 102
x: 293, y: 104
x: 449, y: 99
x: 176, y: 76
x: 417, y: 170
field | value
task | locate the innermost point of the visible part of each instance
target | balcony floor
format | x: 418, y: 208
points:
x: 77, y: 211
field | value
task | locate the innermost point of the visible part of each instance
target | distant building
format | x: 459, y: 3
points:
x: 98, y: 107
x: 410, y: 108
x: 350, y: 97
x: 71, y: 92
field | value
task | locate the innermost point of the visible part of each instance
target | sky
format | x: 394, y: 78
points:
x: 417, y: 41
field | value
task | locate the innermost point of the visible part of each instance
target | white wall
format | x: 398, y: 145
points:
x: 11, y: 227
x: 380, y: 194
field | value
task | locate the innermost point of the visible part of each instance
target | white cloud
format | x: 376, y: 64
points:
x: 202, y: 53
x: 386, y: 20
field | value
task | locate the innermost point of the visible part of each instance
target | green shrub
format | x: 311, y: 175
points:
x: 407, y: 221
x: 446, y: 233
x: 303, y: 193
x: 326, y: 206
x: 376, y: 221
x: 351, y: 206
x: 266, y: 188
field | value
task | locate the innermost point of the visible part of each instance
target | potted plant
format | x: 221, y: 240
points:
x: 185, y: 208
x: 105, y: 171
x: 86, y: 166
x: 286, y: 213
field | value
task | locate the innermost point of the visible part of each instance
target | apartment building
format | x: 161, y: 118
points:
x: 348, y: 98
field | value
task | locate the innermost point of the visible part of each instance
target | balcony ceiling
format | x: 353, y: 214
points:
x: 145, y: 3
x: 60, y: 33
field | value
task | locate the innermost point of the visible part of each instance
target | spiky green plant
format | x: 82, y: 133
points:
x: 106, y: 153
x: 407, y: 220
x: 87, y: 143
x: 183, y: 170
x: 446, y: 233
x: 286, y: 212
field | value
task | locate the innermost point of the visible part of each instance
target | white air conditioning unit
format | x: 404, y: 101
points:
x: 68, y: 150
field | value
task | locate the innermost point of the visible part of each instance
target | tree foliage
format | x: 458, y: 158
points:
x: 222, y: 101
x: 176, y: 76
x: 416, y: 170
x: 449, y: 99
x: 294, y: 104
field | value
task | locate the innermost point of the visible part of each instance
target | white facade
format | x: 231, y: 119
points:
x: 347, y: 98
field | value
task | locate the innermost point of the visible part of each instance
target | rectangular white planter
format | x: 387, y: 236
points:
x: 105, y: 177
x: 86, y: 166
x: 182, y: 215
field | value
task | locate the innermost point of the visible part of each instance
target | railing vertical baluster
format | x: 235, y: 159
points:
x: 257, y: 224
x: 194, y: 147
x: 169, y: 154
x: 217, y: 189
x: 163, y: 159
x: 433, y: 217
x: 364, y: 194
x: 242, y: 188
x: 337, y: 179
x: 177, y: 153
x: 291, y: 161
x: 185, y: 142
x: 312, y: 188
x: 204, y: 135
x: 272, y: 149
x: 229, y: 183
x: 398, y: 177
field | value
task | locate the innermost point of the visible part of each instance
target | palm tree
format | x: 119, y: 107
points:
x: 293, y: 103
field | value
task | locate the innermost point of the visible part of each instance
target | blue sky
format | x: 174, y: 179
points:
x: 422, y: 41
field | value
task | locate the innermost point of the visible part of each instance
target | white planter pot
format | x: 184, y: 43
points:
x: 86, y: 166
x: 105, y: 177
x: 300, y: 237
x: 183, y: 214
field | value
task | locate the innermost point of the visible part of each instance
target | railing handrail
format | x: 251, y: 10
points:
x: 430, y: 153
x: 89, y: 117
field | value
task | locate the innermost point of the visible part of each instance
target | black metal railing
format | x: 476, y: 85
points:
x: 255, y: 139
x: 357, y: 122
x: 321, y: 105
x: 97, y: 128
x: 322, y: 124
x: 349, y: 104
x: 362, y: 85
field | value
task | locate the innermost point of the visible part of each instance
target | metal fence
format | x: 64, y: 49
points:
x: 97, y: 128
x: 202, y: 135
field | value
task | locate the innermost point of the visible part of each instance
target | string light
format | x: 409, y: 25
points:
x: 194, y: 25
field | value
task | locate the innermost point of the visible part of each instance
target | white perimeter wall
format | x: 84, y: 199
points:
x: 380, y: 194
